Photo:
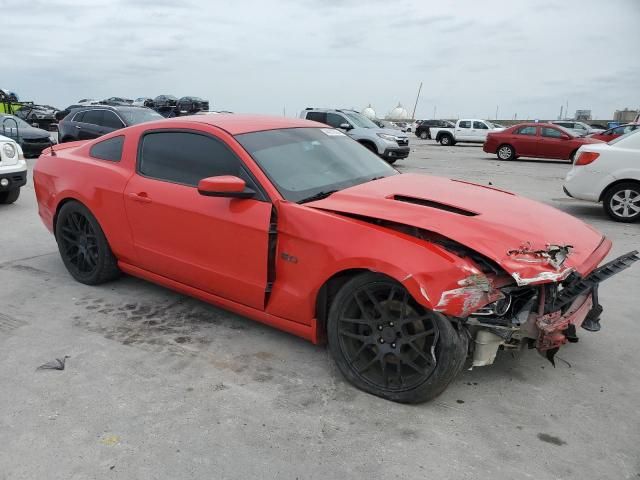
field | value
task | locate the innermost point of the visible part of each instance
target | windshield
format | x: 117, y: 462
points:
x: 139, y: 115
x: 7, y: 124
x: 303, y: 162
x: 360, y: 120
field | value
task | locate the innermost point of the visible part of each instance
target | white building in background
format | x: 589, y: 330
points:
x: 399, y: 113
x: 369, y: 112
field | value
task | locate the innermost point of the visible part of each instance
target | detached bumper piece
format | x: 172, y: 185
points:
x: 574, y: 305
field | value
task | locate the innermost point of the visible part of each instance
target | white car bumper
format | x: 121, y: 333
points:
x: 585, y: 184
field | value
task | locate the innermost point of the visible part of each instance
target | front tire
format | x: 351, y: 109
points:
x: 506, y: 152
x: 446, y: 140
x: 388, y: 345
x: 622, y: 202
x: 83, y: 246
x: 10, y: 196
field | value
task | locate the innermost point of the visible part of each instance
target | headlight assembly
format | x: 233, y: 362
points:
x: 387, y: 137
x: 9, y: 150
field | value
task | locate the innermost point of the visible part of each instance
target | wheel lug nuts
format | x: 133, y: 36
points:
x: 393, y: 345
x: 380, y: 327
x: 391, y: 324
x: 382, y: 340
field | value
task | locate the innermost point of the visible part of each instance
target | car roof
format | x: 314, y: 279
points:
x: 109, y: 107
x: 237, y: 124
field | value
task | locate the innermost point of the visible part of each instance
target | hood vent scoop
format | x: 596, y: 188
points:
x: 434, y: 204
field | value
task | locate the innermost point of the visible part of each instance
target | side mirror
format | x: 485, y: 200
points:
x: 224, y: 186
x: 345, y: 126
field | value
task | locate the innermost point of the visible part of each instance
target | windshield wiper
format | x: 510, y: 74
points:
x: 317, y: 196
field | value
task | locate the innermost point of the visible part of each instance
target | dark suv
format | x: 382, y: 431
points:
x: 96, y: 120
x: 422, y: 130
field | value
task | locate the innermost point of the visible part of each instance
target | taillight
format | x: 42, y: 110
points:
x: 585, y: 158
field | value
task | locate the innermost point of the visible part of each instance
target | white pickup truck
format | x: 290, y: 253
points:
x: 469, y: 130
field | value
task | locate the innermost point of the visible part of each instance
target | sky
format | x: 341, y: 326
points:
x: 277, y: 57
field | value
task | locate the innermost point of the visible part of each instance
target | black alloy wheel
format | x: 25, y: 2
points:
x: 83, y: 246
x: 389, y: 345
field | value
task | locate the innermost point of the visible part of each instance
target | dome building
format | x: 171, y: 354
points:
x: 398, y: 113
x: 369, y: 112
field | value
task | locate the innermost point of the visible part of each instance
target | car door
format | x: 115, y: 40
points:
x: 554, y: 143
x: 91, y: 125
x: 463, y: 131
x: 479, y: 131
x: 526, y: 141
x: 336, y: 120
x: 111, y: 121
x: 215, y: 244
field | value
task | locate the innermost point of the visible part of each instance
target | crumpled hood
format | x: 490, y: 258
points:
x: 502, y: 226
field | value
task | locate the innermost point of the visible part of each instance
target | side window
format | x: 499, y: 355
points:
x: 335, y: 120
x: 317, y: 117
x: 78, y: 116
x: 464, y: 124
x: 111, y: 120
x: 551, y: 132
x: 108, y: 149
x: 93, y: 116
x: 481, y: 126
x: 526, y: 131
x: 186, y: 158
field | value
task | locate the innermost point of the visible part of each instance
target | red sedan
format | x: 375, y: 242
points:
x: 615, y: 132
x: 542, y: 140
x: 298, y: 226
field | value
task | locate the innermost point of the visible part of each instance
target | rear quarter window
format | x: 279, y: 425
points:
x: 110, y: 149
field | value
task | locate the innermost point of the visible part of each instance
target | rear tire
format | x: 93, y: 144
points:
x: 388, y: 345
x: 83, y: 246
x: 10, y: 196
x: 622, y: 202
x: 424, y: 135
x: 506, y: 152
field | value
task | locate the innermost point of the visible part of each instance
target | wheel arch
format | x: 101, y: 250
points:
x: 613, y: 184
x: 369, y: 144
x: 331, y: 285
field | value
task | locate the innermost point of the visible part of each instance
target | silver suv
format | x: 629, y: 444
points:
x: 389, y: 144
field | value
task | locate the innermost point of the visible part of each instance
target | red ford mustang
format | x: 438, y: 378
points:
x: 543, y: 140
x: 296, y: 225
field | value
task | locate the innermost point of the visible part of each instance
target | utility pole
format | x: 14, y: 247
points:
x: 566, y: 110
x: 413, y: 115
x: 497, y: 112
x: 561, y: 107
x: 434, y: 112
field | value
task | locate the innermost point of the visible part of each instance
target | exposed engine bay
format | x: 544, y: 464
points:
x: 544, y: 316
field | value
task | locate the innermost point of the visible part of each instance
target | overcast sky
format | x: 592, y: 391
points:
x: 265, y: 56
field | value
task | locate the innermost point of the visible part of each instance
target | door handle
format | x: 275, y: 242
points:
x: 139, y: 197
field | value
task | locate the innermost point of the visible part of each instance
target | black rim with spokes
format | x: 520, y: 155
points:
x: 387, y: 339
x: 79, y: 243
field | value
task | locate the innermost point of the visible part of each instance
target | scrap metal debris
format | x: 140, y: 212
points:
x: 57, y: 364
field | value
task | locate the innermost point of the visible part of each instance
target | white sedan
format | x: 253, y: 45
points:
x: 609, y: 173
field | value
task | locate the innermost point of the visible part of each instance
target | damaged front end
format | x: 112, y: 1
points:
x: 543, y: 311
